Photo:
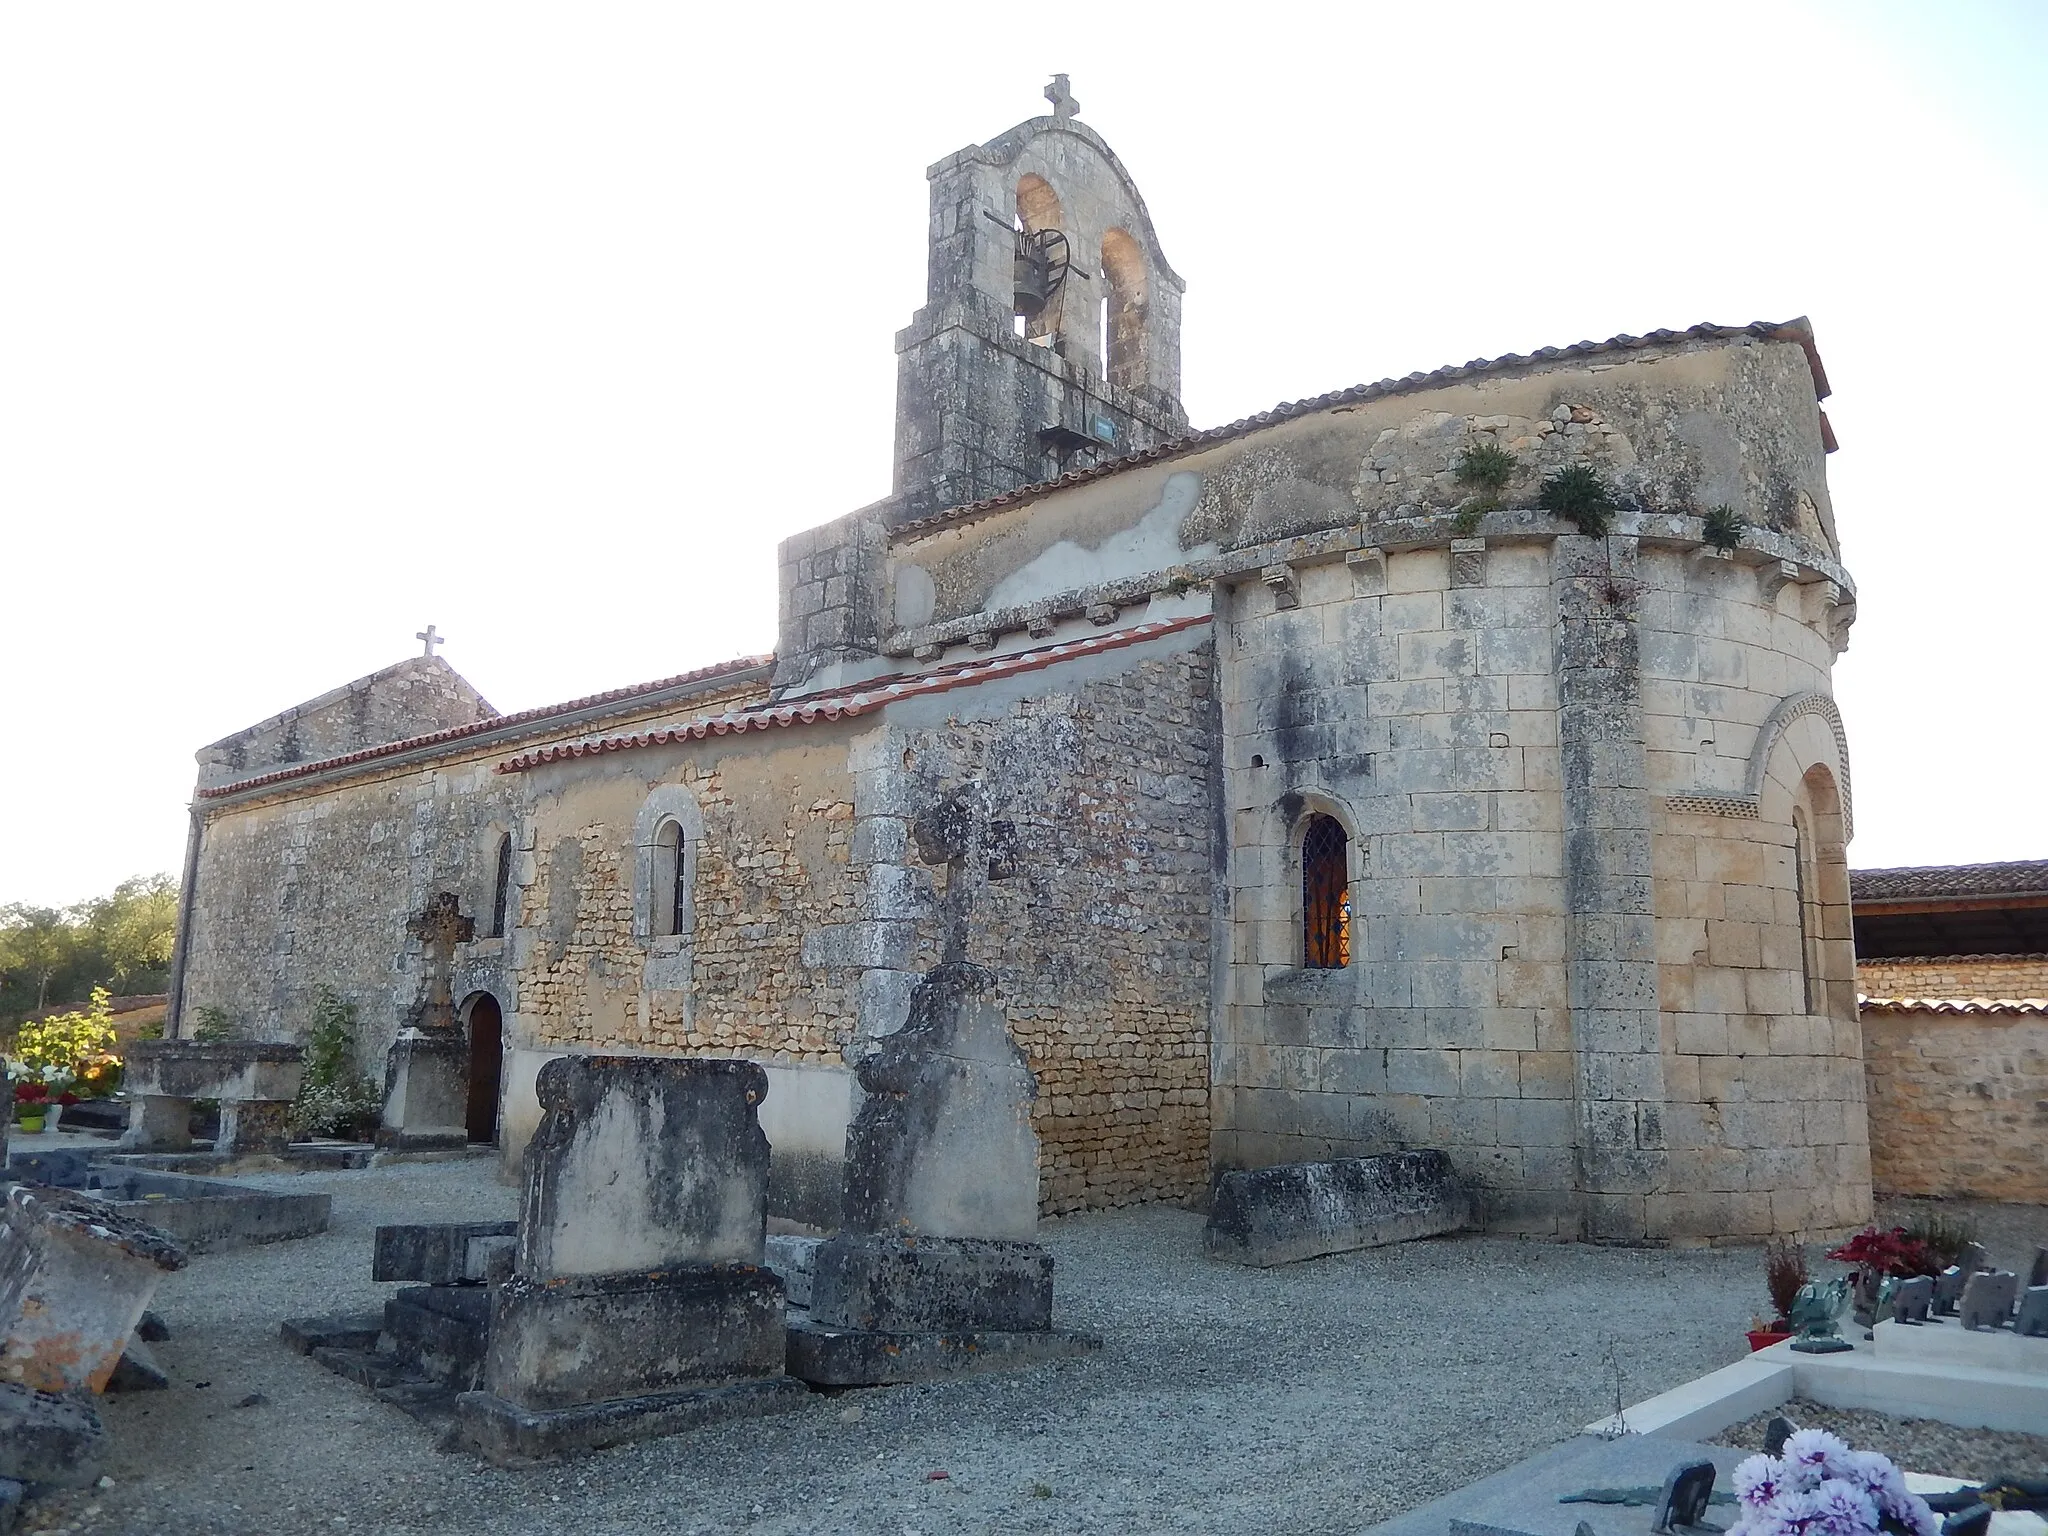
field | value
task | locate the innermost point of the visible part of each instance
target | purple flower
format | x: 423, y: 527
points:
x: 1813, y: 1454
x: 1843, y: 1509
x: 1799, y: 1511
x: 1758, y: 1481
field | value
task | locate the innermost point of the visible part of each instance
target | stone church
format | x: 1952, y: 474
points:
x: 1356, y: 801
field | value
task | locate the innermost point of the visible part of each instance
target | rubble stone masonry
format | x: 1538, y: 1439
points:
x: 1958, y: 1102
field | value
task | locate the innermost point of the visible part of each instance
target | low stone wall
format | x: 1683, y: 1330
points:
x: 1958, y: 1099
x: 1955, y: 976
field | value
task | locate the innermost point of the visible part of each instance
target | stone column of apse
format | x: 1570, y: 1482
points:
x: 1610, y: 946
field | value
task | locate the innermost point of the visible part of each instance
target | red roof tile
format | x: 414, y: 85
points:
x: 538, y: 716
x: 858, y: 701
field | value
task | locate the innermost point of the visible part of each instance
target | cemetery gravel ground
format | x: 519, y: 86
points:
x: 1321, y: 1397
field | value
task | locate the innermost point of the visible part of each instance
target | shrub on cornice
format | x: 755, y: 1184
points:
x: 1722, y: 527
x: 1486, y: 465
x: 1577, y: 494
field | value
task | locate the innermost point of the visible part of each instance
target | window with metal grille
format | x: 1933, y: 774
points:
x: 503, y: 888
x: 1325, y: 896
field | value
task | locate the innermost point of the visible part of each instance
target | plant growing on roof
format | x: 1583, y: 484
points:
x: 1722, y: 527
x: 1577, y: 494
x: 1487, y: 468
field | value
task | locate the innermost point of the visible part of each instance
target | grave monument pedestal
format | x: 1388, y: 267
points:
x: 637, y: 1305
x: 254, y: 1081
x: 937, y: 1273
x: 426, y: 1074
x: 426, y: 1093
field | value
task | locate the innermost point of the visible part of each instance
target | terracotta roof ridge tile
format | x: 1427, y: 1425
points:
x: 513, y: 721
x: 858, y: 700
x: 1799, y: 330
x: 1953, y: 1004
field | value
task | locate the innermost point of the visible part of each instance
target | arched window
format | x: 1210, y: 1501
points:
x: 501, y: 890
x: 669, y: 887
x: 1325, y: 895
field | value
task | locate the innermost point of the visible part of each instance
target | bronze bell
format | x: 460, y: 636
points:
x: 1040, y: 265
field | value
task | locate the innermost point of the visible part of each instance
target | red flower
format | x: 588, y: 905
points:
x: 30, y: 1091
x: 67, y: 1098
x: 1885, y: 1253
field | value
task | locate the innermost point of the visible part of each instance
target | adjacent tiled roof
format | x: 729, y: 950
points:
x: 494, y: 723
x: 868, y: 697
x: 1799, y: 330
x: 1937, y: 881
x: 1888, y: 1005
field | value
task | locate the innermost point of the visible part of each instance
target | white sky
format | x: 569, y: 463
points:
x: 318, y: 323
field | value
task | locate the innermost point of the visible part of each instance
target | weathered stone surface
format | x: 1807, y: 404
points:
x: 1297, y: 1211
x: 582, y: 1339
x: 795, y: 1260
x: 644, y: 1163
x: 826, y: 1356
x: 442, y: 1332
x: 943, y: 1145
x: 440, y: 1253
x: 75, y: 1277
x: 507, y: 1434
x: 909, y: 1284
x: 137, y: 1370
x: 1523, y: 1500
x: 45, y: 1438
x: 255, y: 1082
x: 426, y: 1093
x: 206, y: 1215
x: 342, y: 1330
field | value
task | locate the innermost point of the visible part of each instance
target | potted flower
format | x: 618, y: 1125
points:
x: 1784, y: 1273
x: 1879, y: 1256
x: 31, y: 1100
x: 1821, y: 1486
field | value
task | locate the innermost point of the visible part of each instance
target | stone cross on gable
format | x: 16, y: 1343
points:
x: 1062, y: 99
x: 439, y: 928
x: 430, y: 639
x: 958, y: 833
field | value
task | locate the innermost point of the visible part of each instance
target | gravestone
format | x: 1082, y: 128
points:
x: 1948, y: 1290
x: 937, y: 1270
x: 637, y: 1303
x: 2038, y: 1273
x: 1682, y: 1506
x: 1988, y: 1298
x: 75, y: 1277
x: 426, y: 1073
x: 2033, y: 1317
x: 254, y: 1081
x: 1912, y: 1299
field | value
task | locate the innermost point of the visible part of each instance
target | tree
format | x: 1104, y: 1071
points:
x: 35, y: 944
x: 133, y: 929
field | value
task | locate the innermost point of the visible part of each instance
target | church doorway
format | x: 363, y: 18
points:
x: 486, y: 1057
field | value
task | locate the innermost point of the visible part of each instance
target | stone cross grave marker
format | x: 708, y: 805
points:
x: 439, y: 928
x: 958, y: 833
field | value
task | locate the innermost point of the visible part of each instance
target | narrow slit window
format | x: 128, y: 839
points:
x: 1325, y: 895
x: 670, y: 892
x: 502, y: 890
x: 1806, y: 885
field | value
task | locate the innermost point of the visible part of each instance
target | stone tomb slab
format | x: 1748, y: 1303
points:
x: 1296, y: 1211
x: 826, y: 1356
x: 1523, y: 1500
x: 254, y: 1080
x: 207, y: 1215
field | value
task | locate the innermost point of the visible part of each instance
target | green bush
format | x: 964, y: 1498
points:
x: 1486, y: 465
x: 211, y: 1025
x: 74, y: 1052
x: 1578, y: 494
x: 1722, y: 527
x: 335, y: 1099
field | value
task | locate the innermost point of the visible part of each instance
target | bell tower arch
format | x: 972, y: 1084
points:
x: 1050, y: 334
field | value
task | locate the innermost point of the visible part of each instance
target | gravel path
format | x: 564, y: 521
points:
x: 1917, y: 1445
x: 1322, y: 1397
